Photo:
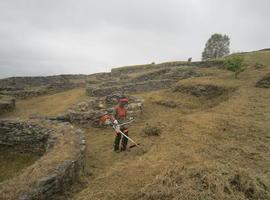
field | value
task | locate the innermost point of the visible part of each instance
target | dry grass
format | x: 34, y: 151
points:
x: 152, y: 130
x: 258, y: 57
x: 208, y: 149
x: 204, y: 145
x: 11, y: 163
x: 47, y: 105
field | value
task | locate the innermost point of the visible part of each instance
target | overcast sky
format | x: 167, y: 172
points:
x: 45, y: 37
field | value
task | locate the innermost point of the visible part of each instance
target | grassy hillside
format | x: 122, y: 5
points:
x: 214, y: 141
x: 213, y: 146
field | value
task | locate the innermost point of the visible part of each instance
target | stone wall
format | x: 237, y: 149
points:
x: 131, y: 87
x: 63, y: 175
x: 24, y: 137
x: 7, y: 104
x: 156, y: 79
x: 23, y: 87
x: 168, y: 73
x: 25, y: 93
x: 138, y: 68
x: 88, y: 113
x: 201, y: 90
x: 38, y: 81
x: 61, y: 164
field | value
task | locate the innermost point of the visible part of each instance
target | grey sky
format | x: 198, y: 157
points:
x: 45, y: 37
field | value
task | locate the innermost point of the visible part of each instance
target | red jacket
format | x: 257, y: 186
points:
x: 120, y: 113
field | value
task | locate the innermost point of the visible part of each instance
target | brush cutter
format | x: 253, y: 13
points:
x: 134, y: 143
x: 107, y: 120
x: 117, y: 129
x: 132, y: 120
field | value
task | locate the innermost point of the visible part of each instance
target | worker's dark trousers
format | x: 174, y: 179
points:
x: 118, y: 138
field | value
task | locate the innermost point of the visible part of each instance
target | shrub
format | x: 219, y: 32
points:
x: 169, y: 104
x: 235, y: 64
x: 152, y: 130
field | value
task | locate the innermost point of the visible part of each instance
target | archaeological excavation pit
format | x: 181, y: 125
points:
x: 45, y: 158
x: 21, y: 144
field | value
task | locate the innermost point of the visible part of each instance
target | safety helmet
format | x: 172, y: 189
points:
x: 123, y: 100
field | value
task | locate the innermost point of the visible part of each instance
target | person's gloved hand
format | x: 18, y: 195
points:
x: 117, y: 128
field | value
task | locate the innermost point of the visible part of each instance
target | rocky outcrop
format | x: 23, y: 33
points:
x: 61, y: 164
x: 7, y: 104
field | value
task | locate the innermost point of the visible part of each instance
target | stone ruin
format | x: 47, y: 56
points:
x: 24, y: 137
x: 201, y: 90
x: 130, y: 87
x: 138, y: 68
x: 144, y: 78
x: 88, y: 113
x: 25, y: 87
x: 61, y: 148
x: 7, y: 104
x: 131, y: 80
x: 153, y: 80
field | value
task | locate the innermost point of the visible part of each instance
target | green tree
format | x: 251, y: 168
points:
x: 217, y: 46
x: 235, y: 64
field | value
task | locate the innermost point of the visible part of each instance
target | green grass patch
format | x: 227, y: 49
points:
x: 11, y: 163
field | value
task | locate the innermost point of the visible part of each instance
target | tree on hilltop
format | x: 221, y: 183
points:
x: 217, y: 46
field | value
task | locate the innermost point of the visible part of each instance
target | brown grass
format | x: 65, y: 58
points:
x: 11, y: 163
x: 47, y: 105
x: 208, y: 149
x: 152, y: 130
x: 202, y: 147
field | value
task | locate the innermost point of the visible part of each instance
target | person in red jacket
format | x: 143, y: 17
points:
x: 119, y: 116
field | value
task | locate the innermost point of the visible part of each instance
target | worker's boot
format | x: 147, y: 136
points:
x: 117, y: 142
